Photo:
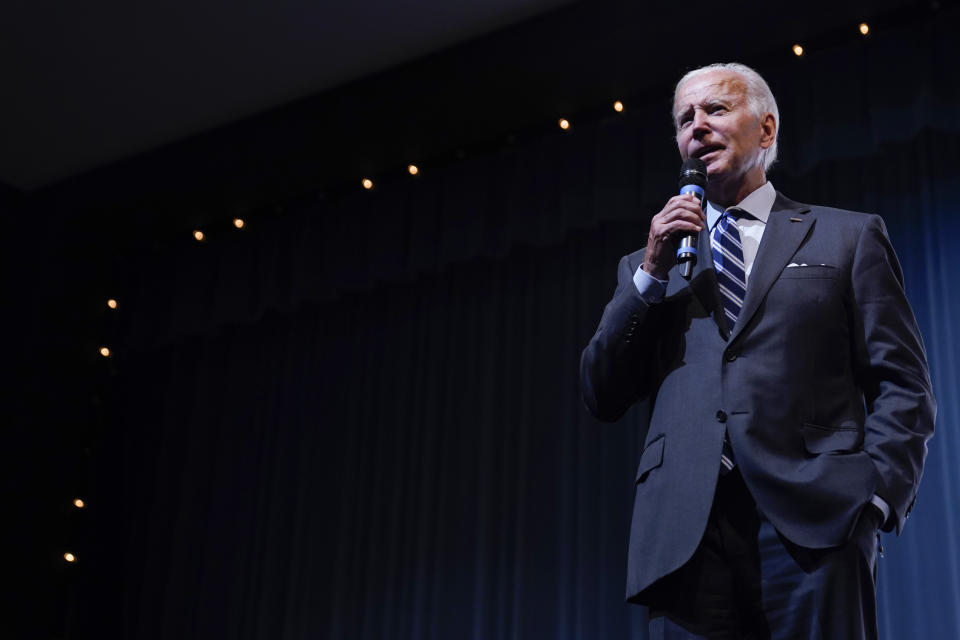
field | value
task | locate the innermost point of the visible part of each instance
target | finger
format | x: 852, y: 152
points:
x: 678, y: 214
x: 693, y: 203
x: 672, y: 232
x: 680, y: 227
x: 682, y: 199
x: 684, y: 203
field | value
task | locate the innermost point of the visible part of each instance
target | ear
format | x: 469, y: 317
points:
x: 768, y: 130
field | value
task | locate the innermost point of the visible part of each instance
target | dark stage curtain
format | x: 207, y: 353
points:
x: 362, y: 419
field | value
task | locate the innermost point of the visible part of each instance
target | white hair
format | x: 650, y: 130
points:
x: 760, y: 100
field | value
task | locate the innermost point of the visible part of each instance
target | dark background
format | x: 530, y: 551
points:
x: 359, y: 416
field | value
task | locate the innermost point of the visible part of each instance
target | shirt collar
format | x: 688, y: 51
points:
x: 758, y: 204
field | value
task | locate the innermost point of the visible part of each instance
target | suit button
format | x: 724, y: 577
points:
x: 721, y: 415
x: 729, y: 356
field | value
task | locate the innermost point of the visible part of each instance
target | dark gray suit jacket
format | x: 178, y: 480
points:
x: 822, y: 385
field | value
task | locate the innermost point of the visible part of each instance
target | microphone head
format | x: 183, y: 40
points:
x: 693, y: 171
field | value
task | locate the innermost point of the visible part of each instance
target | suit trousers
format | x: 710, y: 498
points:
x: 746, y: 581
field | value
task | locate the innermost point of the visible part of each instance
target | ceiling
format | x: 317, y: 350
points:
x: 87, y: 84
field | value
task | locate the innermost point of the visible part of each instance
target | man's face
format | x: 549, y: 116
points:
x: 715, y: 124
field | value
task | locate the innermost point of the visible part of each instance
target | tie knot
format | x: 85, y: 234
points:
x: 729, y: 219
x: 737, y: 214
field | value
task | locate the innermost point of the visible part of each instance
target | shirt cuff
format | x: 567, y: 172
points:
x: 651, y: 289
x: 881, y: 504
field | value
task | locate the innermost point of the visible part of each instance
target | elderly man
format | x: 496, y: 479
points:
x: 790, y: 394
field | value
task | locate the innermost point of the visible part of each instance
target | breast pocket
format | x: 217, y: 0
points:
x: 810, y: 271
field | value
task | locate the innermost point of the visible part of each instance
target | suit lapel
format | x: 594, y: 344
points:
x: 789, y: 223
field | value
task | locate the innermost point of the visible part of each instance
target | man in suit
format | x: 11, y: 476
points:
x: 790, y: 394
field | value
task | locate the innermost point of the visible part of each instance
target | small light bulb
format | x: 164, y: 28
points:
x: 564, y: 123
x: 618, y: 106
x: 864, y: 28
x: 69, y: 557
x: 112, y: 303
x: 367, y: 184
x: 105, y: 352
x: 413, y: 169
x: 79, y: 504
x: 198, y: 235
x: 239, y: 223
x: 797, y: 50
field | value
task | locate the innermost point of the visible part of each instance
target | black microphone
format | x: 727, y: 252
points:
x: 693, y: 179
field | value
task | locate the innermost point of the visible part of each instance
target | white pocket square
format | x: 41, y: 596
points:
x: 804, y: 264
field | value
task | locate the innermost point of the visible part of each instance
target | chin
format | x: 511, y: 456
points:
x: 715, y: 173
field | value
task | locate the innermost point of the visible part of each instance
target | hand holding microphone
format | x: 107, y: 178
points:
x: 681, y: 217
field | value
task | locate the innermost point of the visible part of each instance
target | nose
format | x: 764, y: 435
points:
x: 700, y: 123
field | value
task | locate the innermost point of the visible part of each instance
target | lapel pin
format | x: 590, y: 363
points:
x: 796, y: 219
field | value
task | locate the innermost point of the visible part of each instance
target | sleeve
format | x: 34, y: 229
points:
x: 651, y: 289
x: 891, y: 369
x: 617, y: 368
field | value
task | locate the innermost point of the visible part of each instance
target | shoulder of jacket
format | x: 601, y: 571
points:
x: 856, y: 219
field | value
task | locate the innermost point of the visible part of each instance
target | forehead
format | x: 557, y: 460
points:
x: 709, y: 87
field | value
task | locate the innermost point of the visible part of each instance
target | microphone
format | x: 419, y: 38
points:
x: 693, y: 179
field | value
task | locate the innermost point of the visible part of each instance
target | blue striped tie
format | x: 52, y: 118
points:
x: 728, y: 263
x: 732, y: 280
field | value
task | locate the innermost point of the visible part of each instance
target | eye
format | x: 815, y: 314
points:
x: 718, y: 109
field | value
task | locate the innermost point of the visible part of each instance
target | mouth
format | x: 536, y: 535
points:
x: 703, y: 152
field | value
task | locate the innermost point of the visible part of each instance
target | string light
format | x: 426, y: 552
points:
x: 239, y: 223
x: 864, y: 28
x: 797, y: 50
x: 112, y: 303
x: 564, y: 123
x: 105, y: 352
x: 367, y: 184
x: 198, y: 235
x: 79, y: 504
x: 69, y: 557
x: 413, y: 169
x: 618, y: 106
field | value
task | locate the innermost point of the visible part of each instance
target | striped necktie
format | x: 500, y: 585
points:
x: 728, y: 264
x: 732, y: 280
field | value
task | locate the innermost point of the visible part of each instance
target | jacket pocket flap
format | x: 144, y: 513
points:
x: 819, y: 439
x: 651, y: 458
